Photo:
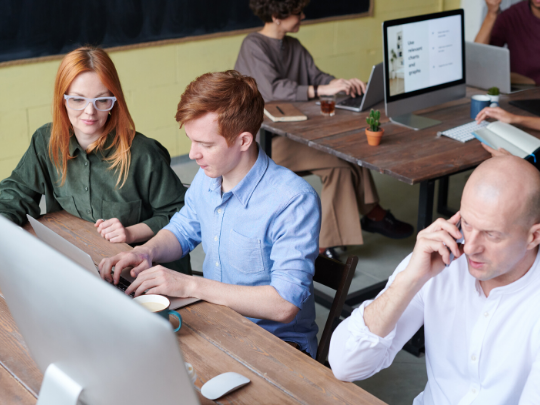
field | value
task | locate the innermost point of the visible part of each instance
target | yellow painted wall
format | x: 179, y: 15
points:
x: 154, y: 78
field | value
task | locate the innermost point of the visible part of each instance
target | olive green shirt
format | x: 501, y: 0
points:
x: 151, y: 195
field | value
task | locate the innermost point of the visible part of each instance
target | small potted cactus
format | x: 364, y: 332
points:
x: 374, y: 131
x: 493, y: 94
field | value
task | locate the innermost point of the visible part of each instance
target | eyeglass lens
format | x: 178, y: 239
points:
x: 102, y: 104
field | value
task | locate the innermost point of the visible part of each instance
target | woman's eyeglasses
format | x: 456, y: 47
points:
x: 80, y: 103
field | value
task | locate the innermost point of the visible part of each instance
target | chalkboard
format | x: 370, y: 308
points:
x: 36, y: 28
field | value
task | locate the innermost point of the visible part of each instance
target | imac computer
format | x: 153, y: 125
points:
x: 93, y: 343
x: 424, y: 65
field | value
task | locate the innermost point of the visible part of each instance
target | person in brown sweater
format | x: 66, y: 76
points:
x: 285, y: 70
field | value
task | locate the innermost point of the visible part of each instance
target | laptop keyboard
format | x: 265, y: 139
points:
x: 122, y: 285
x: 352, y: 101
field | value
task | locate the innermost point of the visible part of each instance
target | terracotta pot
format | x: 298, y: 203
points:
x: 374, y: 138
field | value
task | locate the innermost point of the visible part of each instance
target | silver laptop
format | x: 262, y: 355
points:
x: 93, y: 345
x: 84, y: 260
x: 489, y: 66
x: 374, y: 93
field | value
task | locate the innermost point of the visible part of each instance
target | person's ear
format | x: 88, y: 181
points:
x: 534, y: 236
x: 275, y: 20
x: 245, y: 140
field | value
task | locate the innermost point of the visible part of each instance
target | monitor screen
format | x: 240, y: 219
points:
x: 423, y: 53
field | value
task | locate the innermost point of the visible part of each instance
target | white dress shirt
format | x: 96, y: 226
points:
x: 479, y: 350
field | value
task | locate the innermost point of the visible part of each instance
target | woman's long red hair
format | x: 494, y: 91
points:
x: 89, y: 59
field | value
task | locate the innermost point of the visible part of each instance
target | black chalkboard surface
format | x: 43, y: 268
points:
x: 34, y: 28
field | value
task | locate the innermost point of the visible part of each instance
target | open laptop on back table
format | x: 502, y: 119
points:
x: 373, y: 95
x: 489, y: 66
x: 84, y: 260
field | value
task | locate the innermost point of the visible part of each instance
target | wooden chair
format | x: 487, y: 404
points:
x: 337, y: 276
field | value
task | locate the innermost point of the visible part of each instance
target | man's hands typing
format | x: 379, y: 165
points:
x: 139, y: 258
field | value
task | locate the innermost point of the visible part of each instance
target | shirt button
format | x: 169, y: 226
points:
x: 88, y: 211
x: 473, y: 357
x: 86, y: 163
x: 86, y: 189
x: 473, y: 391
x: 486, y: 314
x: 217, y: 264
x: 219, y: 211
x: 215, y: 238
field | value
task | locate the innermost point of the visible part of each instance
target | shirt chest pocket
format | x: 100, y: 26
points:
x: 245, y: 254
x: 129, y: 213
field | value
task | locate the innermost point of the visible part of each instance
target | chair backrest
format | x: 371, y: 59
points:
x: 338, y: 276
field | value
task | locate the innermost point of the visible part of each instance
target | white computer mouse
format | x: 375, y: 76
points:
x: 223, y: 384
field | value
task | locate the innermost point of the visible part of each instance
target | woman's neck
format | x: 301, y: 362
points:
x: 272, y: 30
x: 86, y: 140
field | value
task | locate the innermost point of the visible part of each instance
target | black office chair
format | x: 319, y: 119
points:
x: 337, y: 276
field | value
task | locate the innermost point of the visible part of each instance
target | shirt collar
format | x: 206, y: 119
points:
x: 244, y: 190
x: 105, y: 151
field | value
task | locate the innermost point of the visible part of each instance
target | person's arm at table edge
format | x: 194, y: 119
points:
x: 261, y: 302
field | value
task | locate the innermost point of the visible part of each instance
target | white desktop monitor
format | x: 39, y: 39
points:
x: 93, y: 343
x: 424, y: 65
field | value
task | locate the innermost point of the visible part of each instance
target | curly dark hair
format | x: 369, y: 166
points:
x: 266, y: 9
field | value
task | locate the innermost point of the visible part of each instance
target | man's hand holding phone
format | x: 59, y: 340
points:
x: 436, y: 246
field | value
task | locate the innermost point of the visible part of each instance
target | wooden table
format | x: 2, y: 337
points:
x: 407, y: 155
x: 213, y: 338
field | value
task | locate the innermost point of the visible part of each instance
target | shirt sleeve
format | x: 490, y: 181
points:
x: 356, y: 353
x: 499, y: 31
x: 21, y: 192
x: 165, y: 190
x: 531, y: 391
x: 185, y: 224
x: 295, y: 232
x: 316, y: 76
x: 270, y: 83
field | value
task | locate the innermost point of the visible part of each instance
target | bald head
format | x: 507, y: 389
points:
x: 509, y: 183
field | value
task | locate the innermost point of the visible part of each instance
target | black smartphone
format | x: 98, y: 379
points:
x: 459, y: 241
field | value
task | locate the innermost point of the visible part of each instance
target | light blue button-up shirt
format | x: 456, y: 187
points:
x: 265, y: 231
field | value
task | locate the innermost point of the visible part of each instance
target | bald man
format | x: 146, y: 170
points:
x: 481, y: 311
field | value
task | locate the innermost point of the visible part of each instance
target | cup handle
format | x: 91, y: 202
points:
x: 174, y: 313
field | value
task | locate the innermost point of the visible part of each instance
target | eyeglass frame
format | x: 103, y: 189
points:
x: 88, y: 101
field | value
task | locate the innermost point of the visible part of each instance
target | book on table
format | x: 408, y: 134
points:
x: 501, y: 135
x: 283, y: 112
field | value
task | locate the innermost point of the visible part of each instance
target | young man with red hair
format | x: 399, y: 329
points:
x: 258, y: 222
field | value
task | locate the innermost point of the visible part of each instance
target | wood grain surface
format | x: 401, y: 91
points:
x: 407, y: 155
x: 12, y: 392
x: 213, y: 338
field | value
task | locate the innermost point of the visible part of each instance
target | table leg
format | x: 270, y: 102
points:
x: 442, y: 198
x: 266, y: 141
x: 425, y: 205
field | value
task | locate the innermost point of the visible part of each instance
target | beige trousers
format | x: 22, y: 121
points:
x: 348, y: 190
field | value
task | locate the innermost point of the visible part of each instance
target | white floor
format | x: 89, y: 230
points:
x: 378, y: 258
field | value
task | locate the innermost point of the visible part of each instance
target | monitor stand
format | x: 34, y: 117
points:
x: 58, y: 388
x: 415, y: 122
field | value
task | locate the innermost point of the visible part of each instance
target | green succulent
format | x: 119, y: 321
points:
x: 493, y: 91
x: 373, y: 120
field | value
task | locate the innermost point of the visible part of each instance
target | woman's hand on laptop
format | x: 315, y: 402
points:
x: 139, y: 258
x: 163, y: 281
x: 350, y: 87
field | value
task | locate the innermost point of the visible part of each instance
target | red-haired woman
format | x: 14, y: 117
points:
x: 90, y: 161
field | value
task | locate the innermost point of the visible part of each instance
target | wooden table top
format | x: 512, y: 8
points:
x: 213, y: 338
x: 409, y: 156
